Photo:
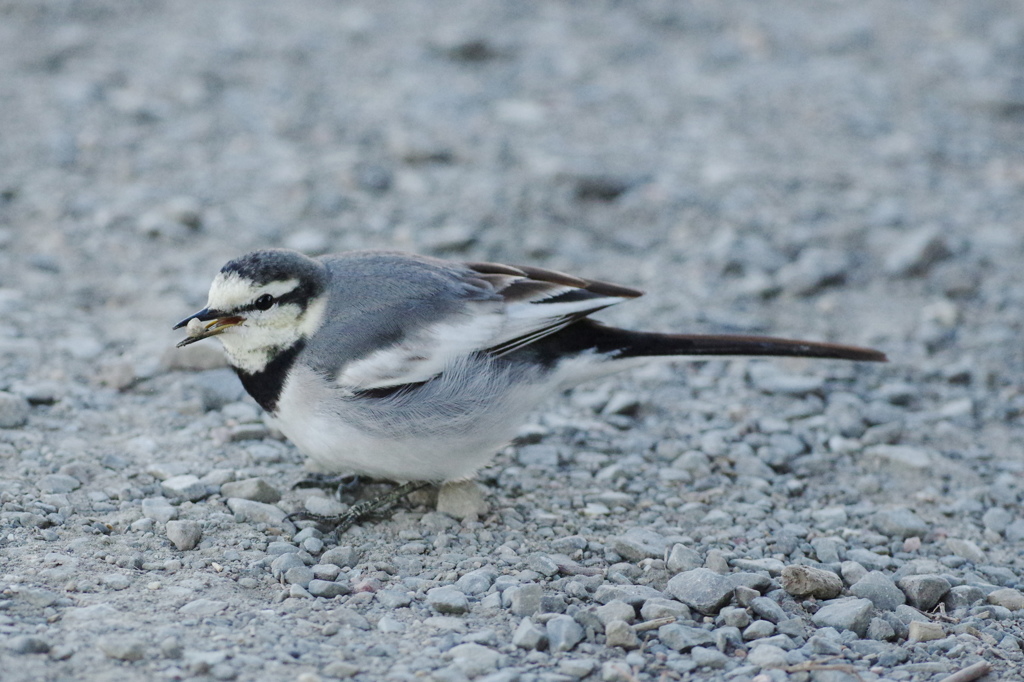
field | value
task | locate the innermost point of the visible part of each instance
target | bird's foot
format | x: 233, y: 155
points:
x: 360, y: 510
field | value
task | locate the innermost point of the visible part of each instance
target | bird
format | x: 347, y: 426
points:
x: 419, y: 370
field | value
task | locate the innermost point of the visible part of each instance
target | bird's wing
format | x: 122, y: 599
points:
x: 504, y: 308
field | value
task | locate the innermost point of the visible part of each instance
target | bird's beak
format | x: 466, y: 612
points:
x: 216, y: 322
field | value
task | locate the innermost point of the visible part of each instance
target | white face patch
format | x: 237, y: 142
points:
x: 230, y: 291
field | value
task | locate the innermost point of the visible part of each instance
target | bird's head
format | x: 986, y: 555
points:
x: 259, y: 305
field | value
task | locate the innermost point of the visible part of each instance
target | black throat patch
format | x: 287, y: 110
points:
x: 265, y: 387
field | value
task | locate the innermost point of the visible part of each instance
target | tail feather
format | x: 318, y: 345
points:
x: 623, y: 343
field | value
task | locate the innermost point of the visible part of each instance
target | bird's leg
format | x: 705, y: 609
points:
x: 361, y: 510
x: 335, y: 482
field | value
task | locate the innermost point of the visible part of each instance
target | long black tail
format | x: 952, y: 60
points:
x: 623, y: 343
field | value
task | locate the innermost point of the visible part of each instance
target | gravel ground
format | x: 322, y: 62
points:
x: 837, y: 171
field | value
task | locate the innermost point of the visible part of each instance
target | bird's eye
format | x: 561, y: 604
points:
x: 264, y: 302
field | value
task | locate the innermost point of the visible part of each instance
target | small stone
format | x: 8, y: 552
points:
x: 682, y: 558
x: 477, y: 581
x: 462, y: 500
x: 526, y: 599
x: 259, y: 512
x: 616, y: 671
x: 529, y: 636
x: 122, y: 648
x: 734, y: 616
x: 251, y: 489
x: 116, y: 581
x: 472, y: 659
x: 325, y: 506
x: 923, y: 592
x: 159, y: 509
x: 14, y: 410
x: 701, y: 589
x: 770, y: 379
x: 1008, y: 598
x: 845, y: 614
x: 186, y: 486
x: 203, y: 607
x: 768, y: 609
x: 899, y: 523
x: 56, y: 484
x: 637, y: 544
x: 543, y: 564
x: 634, y: 595
x: 880, y: 589
x: 327, y: 589
x: 620, y: 633
x: 852, y: 572
x: 963, y: 596
x: 447, y: 600
x: 616, y: 610
x: 342, y: 556
x: 563, y: 633
x: 341, y: 670
x: 767, y: 656
x: 997, y: 519
x: 880, y: 630
x: 807, y: 581
x: 925, y: 631
x: 26, y: 644
x: 872, y: 561
x: 184, y: 534
x: 658, y: 607
x: 577, y: 668
x: 906, y: 458
x: 966, y: 549
x: 759, y: 629
x: 708, y: 658
x: 916, y: 252
x: 683, y: 638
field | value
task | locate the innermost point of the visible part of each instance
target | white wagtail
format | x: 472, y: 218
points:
x: 416, y: 369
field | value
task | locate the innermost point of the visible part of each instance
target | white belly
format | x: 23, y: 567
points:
x: 438, y: 442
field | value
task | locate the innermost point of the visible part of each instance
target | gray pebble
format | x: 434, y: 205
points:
x: 392, y: 599
x: 447, y: 600
x: 313, y: 545
x: 615, y: 610
x: 159, y: 509
x: 997, y: 519
x: 462, y: 500
x: 324, y: 588
x: 529, y: 636
x: 963, y: 596
x: 682, y: 558
x: 683, y: 637
x: 734, y: 616
x: 768, y: 609
x: 122, y: 647
x: 767, y: 656
x: 634, y: 595
x: 916, y: 252
x: 563, y: 633
x: 899, y: 523
x: 924, y: 591
x: 852, y: 572
x: 880, y: 630
x: 185, y: 486
x: 827, y: 549
x: 299, y: 575
x: 14, y: 410
x: 966, y: 549
x: 477, y: 581
x: 637, y: 544
x: 328, y: 572
x: 701, y: 589
x: 866, y: 559
x: 845, y: 614
x: 880, y: 589
x: 807, y: 581
x: 259, y: 512
x: 284, y: 562
x: 620, y: 633
x: 203, y: 607
x: 342, y: 556
x: 1007, y: 598
x: 526, y: 599
x: 708, y: 658
x: 543, y: 564
x: 184, y: 534
x: 759, y: 629
x: 57, y: 484
x: 27, y: 644
x: 251, y: 489
x: 658, y: 607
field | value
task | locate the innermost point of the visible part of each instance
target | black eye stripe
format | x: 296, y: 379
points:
x: 299, y: 295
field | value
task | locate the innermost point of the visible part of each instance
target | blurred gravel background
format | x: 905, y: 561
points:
x: 838, y: 171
